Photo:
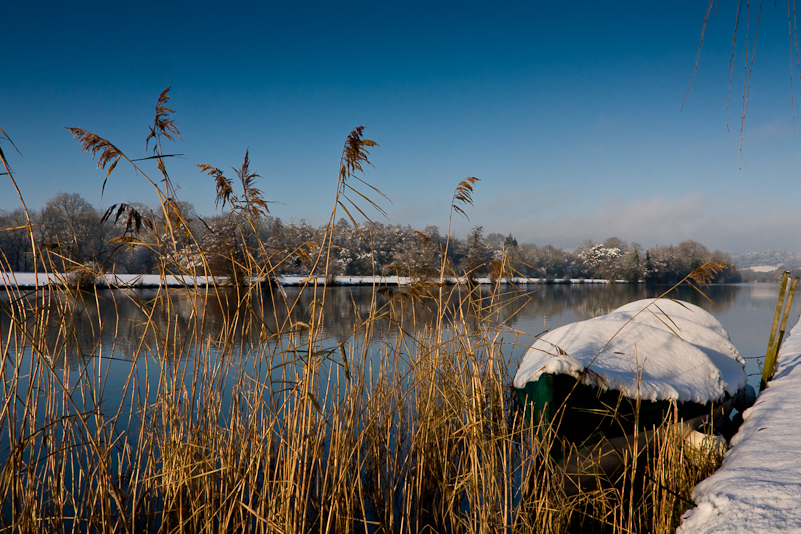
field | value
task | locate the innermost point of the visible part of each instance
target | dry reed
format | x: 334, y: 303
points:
x: 263, y: 424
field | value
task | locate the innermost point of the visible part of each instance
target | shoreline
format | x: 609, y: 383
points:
x: 32, y: 280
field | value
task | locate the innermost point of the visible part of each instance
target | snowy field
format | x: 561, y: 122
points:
x: 758, y: 488
x: 154, y: 280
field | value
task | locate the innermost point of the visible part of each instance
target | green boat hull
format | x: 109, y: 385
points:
x: 582, y: 415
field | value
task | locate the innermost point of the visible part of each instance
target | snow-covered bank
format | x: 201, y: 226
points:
x: 28, y: 280
x: 404, y: 280
x: 758, y: 488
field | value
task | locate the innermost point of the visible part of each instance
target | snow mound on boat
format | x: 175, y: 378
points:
x: 655, y: 349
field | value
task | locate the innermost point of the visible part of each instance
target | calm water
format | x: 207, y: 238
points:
x: 111, y: 328
x: 108, y: 342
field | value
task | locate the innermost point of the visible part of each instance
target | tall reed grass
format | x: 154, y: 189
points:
x: 264, y: 424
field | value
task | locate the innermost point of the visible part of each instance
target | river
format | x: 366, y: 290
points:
x: 110, y: 324
x: 110, y: 356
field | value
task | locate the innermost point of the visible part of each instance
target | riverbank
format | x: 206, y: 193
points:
x: 31, y: 280
x: 758, y: 487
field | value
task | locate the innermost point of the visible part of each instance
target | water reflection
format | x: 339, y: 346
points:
x: 131, y: 324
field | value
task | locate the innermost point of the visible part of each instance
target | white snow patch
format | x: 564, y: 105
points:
x: 762, y: 268
x: 758, y: 488
x: 658, y: 350
x: 117, y: 280
x: 24, y: 279
x: 155, y: 280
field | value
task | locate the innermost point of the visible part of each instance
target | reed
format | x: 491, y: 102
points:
x: 261, y: 423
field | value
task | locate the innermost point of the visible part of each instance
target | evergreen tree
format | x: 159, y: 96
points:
x: 474, y: 255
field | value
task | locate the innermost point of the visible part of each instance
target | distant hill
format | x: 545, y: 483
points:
x: 789, y: 260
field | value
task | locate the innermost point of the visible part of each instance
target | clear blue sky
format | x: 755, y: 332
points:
x: 570, y: 113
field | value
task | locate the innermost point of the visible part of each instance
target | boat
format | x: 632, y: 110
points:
x: 604, y: 385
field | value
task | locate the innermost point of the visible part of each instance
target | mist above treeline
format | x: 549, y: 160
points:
x: 72, y: 232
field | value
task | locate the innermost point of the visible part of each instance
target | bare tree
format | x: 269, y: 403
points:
x: 71, y: 228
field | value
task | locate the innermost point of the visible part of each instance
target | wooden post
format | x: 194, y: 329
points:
x: 783, y: 327
x: 777, y: 315
x: 775, y: 340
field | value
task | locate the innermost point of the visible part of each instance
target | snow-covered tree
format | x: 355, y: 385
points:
x: 602, y: 261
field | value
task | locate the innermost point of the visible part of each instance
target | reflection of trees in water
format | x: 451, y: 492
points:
x: 72, y: 327
x: 583, y: 300
x: 70, y: 330
x: 66, y: 327
x: 603, y: 300
x: 723, y: 297
x: 591, y: 300
x: 80, y: 327
x: 278, y: 309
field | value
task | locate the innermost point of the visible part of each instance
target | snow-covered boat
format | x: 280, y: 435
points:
x: 602, y: 381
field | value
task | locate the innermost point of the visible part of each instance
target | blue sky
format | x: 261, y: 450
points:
x: 569, y: 113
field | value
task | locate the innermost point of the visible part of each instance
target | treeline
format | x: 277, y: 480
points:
x: 69, y: 232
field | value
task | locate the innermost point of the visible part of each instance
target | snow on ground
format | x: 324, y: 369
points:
x: 762, y: 268
x: 758, y: 488
x: 671, y: 350
x: 29, y: 280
